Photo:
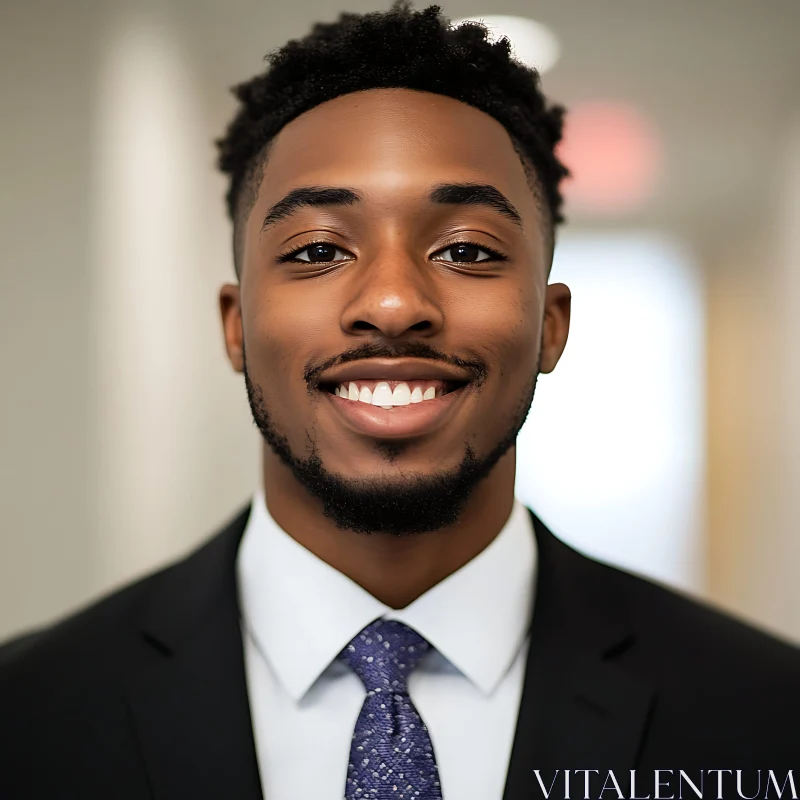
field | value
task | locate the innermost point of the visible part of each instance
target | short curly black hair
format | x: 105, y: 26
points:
x: 398, y: 48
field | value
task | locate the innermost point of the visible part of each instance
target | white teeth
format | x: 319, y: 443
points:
x: 382, y: 396
x: 401, y: 396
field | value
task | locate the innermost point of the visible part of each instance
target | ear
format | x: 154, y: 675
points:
x: 557, y: 305
x: 231, y: 309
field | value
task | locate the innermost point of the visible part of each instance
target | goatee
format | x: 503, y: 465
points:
x: 416, y: 503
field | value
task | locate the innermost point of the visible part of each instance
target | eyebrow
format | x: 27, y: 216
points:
x: 456, y: 194
x: 475, y: 194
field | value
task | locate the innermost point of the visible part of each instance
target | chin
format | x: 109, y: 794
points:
x: 393, y: 462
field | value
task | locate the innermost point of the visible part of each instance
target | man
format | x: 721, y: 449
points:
x: 385, y: 620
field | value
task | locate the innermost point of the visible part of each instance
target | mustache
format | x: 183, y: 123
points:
x: 399, y: 350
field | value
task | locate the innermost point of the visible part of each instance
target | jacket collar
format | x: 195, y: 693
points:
x: 189, y: 704
x: 579, y: 709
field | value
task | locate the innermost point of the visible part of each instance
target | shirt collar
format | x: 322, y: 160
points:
x: 301, y: 612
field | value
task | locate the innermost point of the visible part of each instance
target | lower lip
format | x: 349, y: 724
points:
x: 416, y: 419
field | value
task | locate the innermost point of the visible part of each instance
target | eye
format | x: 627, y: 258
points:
x: 467, y: 253
x: 316, y: 253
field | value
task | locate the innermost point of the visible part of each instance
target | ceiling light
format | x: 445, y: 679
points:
x: 532, y: 43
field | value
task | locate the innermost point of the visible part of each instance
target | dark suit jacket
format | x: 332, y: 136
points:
x: 143, y: 695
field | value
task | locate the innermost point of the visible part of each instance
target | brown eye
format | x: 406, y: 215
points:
x: 319, y: 253
x: 466, y: 253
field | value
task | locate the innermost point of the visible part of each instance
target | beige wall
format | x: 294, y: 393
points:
x: 125, y: 437
x: 174, y: 449
x: 46, y: 539
x: 754, y: 410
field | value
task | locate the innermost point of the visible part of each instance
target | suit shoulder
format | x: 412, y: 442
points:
x: 82, y: 634
x: 102, y: 630
x: 719, y: 686
x: 693, y: 628
x: 662, y: 616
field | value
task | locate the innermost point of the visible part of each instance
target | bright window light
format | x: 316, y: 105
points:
x: 611, y: 456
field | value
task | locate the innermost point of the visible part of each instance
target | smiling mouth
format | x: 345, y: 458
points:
x: 390, y: 394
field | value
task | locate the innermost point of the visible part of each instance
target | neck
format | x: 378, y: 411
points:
x: 394, y: 569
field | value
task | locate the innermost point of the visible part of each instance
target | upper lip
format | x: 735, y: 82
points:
x: 395, y: 369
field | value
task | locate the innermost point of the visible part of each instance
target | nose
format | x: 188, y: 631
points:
x: 393, y: 296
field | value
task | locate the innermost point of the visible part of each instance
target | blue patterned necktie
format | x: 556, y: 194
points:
x: 391, y: 755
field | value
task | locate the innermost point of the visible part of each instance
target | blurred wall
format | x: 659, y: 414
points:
x: 46, y: 431
x: 175, y: 452
x: 125, y: 436
x: 754, y: 409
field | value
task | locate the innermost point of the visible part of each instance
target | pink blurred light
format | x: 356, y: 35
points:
x: 614, y: 154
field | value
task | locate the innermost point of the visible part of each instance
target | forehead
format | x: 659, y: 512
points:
x: 393, y: 142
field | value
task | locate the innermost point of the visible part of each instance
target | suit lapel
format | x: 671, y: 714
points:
x: 579, y: 710
x: 189, y: 701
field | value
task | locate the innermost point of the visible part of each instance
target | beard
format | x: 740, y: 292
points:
x: 416, y: 503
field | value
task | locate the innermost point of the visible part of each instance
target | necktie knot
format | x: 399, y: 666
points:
x: 391, y: 753
x: 384, y: 654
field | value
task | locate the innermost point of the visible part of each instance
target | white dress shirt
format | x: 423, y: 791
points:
x: 299, y: 612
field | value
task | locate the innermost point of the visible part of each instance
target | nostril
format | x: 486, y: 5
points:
x: 424, y: 325
x: 363, y: 325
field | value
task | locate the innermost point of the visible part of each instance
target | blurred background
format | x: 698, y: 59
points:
x: 667, y: 441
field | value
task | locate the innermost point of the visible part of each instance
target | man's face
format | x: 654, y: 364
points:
x: 396, y: 288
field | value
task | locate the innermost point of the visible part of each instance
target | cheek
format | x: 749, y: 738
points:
x: 282, y: 331
x: 502, y: 324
